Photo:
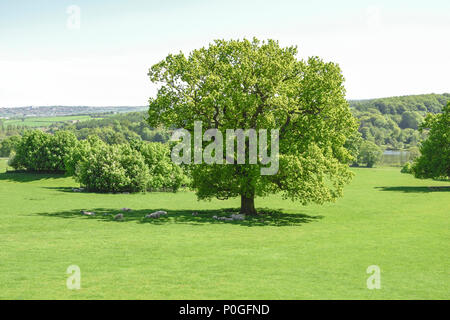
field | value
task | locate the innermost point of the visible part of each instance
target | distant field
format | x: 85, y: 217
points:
x: 386, y: 218
x: 36, y: 122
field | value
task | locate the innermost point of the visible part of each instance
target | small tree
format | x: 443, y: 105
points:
x: 407, y: 168
x: 434, y: 161
x: 59, y: 145
x: 164, y: 174
x: 80, y: 153
x: 260, y: 85
x: 40, y: 151
x: 369, y: 154
x: 116, y: 168
x: 8, y: 145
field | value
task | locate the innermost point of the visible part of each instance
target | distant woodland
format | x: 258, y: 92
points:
x: 390, y: 123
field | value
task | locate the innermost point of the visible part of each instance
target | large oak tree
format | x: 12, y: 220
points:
x: 260, y: 85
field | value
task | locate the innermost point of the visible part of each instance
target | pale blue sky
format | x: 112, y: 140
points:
x: 384, y: 48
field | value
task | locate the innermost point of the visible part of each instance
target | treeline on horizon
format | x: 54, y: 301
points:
x: 390, y: 123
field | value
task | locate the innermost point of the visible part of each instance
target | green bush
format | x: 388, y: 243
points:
x: 164, y: 173
x: 98, y: 166
x: 80, y: 153
x: 369, y: 154
x: 8, y: 145
x: 407, y: 168
x: 40, y: 151
x: 112, y: 168
x: 434, y: 161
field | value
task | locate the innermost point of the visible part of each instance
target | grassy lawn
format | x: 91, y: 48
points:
x: 386, y: 218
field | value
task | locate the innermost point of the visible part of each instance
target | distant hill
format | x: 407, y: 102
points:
x: 55, y: 111
x: 393, y: 122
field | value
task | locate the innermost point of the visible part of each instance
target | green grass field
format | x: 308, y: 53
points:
x: 38, y: 122
x: 386, y: 218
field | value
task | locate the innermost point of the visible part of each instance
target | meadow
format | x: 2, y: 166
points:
x: 385, y: 218
x: 39, y: 122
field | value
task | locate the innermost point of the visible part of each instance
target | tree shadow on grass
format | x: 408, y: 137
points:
x: 416, y: 189
x: 71, y: 190
x: 25, y: 176
x: 63, y: 189
x: 265, y: 218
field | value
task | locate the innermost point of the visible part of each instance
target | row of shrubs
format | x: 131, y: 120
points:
x: 135, y: 167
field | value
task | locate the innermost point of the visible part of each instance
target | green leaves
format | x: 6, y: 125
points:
x: 116, y: 168
x: 40, y: 151
x: 137, y: 167
x: 98, y: 166
x: 8, y: 145
x: 164, y: 174
x: 435, y: 159
x: 369, y: 154
x: 258, y: 84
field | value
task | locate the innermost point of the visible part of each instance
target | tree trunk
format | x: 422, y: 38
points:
x: 248, y: 205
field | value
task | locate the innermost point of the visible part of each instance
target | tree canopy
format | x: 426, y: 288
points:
x: 369, y: 154
x: 434, y: 161
x: 242, y: 84
x: 40, y: 151
x: 8, y: 145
